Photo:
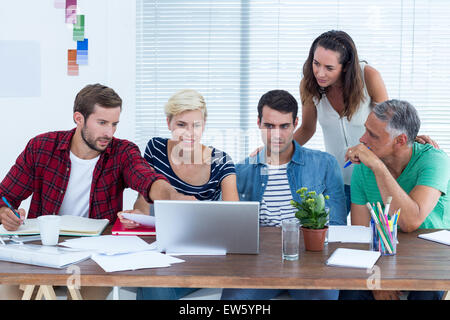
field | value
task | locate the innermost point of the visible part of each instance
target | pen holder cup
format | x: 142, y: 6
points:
x: 384, y: 239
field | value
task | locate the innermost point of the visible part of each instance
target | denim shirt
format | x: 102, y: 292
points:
x: 316, y: 170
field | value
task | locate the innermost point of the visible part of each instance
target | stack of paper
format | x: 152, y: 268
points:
x: 442, y: 236
x: 70, y: 226
x: 114, y: 253
x: 353, y: 258
x: 47, y: 256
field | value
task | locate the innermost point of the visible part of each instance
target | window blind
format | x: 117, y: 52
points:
x: 233, y: 51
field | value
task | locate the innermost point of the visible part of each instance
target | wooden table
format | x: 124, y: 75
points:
x: 418, y: 265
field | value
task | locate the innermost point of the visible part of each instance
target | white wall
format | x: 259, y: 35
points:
x: 110, y: 28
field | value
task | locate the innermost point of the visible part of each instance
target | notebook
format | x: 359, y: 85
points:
x: 349, y: 234
x: 46, y: 256
x: 70, y: 226
x: 353, y: 258
x: 207, y: 227
x: 442, y: 236
x: 119, y: 230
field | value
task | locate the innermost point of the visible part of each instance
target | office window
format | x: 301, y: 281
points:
x: 233, y: 51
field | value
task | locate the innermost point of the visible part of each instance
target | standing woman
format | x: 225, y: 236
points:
x: 339, y: 91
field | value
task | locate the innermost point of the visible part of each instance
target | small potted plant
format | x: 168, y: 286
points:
x: 313, y: 218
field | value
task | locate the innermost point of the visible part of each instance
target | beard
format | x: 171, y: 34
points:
x: 92, y: 142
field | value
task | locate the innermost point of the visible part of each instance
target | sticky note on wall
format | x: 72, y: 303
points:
x: 82, y: 52
x: 60, y: 4
x: 71, y: 11
x: 78, y: 28
x: 72, y: 66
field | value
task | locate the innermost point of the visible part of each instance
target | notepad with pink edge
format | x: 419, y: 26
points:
x: 353, y: 258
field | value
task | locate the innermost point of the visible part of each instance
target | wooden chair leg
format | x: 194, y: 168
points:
x: 39, y: 294
x: 27, y: 291
x: 75, y: 294
x: 47, y: 292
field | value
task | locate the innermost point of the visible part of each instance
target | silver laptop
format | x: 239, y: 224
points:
x: 207, y: 227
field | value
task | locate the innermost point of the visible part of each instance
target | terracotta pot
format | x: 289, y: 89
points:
x: 314, y: 239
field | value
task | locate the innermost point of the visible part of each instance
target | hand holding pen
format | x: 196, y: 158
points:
x: 361, y: 154
x: 10, y: 218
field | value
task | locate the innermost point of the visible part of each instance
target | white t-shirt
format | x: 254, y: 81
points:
x: 276, y: 200
x: 76, y: 198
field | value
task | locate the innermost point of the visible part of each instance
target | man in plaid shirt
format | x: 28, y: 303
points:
x: 82, y: 171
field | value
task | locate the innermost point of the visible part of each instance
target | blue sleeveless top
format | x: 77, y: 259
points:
x: 221, y: 166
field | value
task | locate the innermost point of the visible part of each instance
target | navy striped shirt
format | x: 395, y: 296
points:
x: 276, y: 200
x: 221, y: 166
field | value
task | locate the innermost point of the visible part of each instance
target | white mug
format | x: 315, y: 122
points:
x: 49, y: 229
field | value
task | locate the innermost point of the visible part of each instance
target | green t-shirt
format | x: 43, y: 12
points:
x: 427, y: 167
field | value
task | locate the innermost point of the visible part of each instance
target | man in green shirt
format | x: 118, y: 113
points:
x: 389, y: 163
x: 415, y: 176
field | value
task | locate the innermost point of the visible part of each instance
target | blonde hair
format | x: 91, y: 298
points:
x: 185, y: 100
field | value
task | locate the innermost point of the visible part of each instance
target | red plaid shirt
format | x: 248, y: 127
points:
x: 43, y: 169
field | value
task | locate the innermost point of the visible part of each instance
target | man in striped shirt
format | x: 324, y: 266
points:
x: 276, y: 172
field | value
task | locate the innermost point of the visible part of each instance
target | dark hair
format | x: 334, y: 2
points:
x: 353, y: 86
x: 93, y: 94
x: 279, y: 100
x: 400, y: 116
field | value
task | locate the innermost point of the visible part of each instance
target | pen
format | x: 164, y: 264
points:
x: 380, y: 211
x: 398, y: 215
x: 9, y: 206
x: 349, y: 162
x: 388, y: 204
x: 372, y: 213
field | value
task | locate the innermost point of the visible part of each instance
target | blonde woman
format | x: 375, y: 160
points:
x: 193, y: 169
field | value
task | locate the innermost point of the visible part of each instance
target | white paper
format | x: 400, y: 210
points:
x: 353, y: 258
x: 134, y: 261
x: 349, y: 234
x: 442, y: 236
x: 109, y: 245
x: 48, y: 256
x: 142, y: 219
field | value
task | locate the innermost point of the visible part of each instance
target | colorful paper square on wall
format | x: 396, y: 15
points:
x: 71, y: 11
x: 82, y: 52
x: 60, y: 4
x: 72, y: 66
x: 78, y: 28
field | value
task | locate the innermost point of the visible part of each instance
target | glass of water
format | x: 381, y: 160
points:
x: 290, y: 238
